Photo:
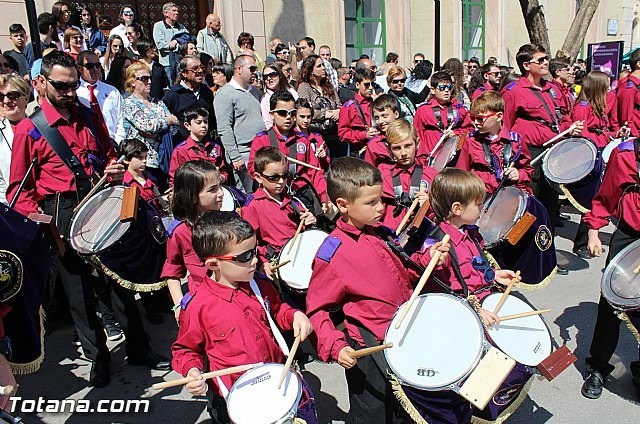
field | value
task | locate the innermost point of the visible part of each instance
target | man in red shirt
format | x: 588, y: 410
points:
x: 491, y: 76
x: 563, y: 79
x: 53, y: 188
x: 354, y: 125
x: 628, y: 92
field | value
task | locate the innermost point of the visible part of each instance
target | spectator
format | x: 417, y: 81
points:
x: 73, y: 42
x: 324, y: 52
x: 98, y: 96
x: 287, y: 70
x: 148, y: 119
x: 117, y: 74
x: 126, y: 17
x: 188, y: 93
x: 159, y: 81
x: 222, y: 74
x: 305, y: 48
x: 350, y: 91
x: 166, y: 34
x: 38, y: 89
x: 18, y: 37
x: 133, y: 32
x: 47, y: 25
x: 455, y: 68
x: 188, y: 49
x: 473, y: 65
x: 407, y: 99
x: 486, y: 78
x: 274, y: 80
x: 273, y: 55
x: 344, y: 81
x: 335, y: 63
x: 390, y: 61
x: 282, y: 52
x: 115, y: 48
x: 211, y: 41
x: 239, y: 120
x: 207, y: 65
x: 62, y: 13
x: 94, y: 38
x: 246, y: 43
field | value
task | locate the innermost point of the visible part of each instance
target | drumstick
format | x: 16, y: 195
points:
x: 205, y: 376
x: 6, y: 390
x: 408, y: 215
x: 287, y: 364
x: 281, y: 264
x: 437, y: 146
x: 299, y: 162
x: 369, y: 350
x: 523, y: 314
x: 495, y: 193
x: 562, y: 134
x: 637, y: 270
x: 295, y: 237
x: 97, y: 186
x: 423, y: 280
x: 506, y: 293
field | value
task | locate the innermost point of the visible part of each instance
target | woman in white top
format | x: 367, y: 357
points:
x: 14, y: 97
x: 126, y: 18
x: 274, y: 80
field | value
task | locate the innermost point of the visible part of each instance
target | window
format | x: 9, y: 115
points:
x: 473, y: 29
x: 365, y: 29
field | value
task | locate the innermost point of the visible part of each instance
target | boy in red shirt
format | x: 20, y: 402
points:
x: 354, y: 125
x: 304, y: 115
x: 385, y: 110
x: 135, y: 154
x: 492, y: 148
x: 226, y: 304
x: 198, y: 146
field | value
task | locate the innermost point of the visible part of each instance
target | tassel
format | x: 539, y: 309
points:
x: 33, y: 366
x: 573, y: 201
x: 504, y: 416
x: 523, y: 284
x: 632, y: 328
x: 404, y: 400
x: 95, y: 261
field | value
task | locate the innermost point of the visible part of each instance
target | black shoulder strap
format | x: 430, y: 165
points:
x: 62, y: 149
x: 273, y: 139
x: 361, y: 112
x: 438, y: 233
x: 438, y: 115
x: 378, y: 357
x: 552, y: 115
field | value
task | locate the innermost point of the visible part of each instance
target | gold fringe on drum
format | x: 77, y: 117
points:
x: 95, y: 261
x: 573, y: 201
x: 625, y: 318
x: 299, y: 421
x: 510, y: 410
x: 523, y: 284
x: 404, y: 400
x: 33, y: 366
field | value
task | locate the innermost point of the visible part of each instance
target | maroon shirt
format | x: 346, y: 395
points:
x: 629, y: 103
x: 563, y: 96
x: 612, y: 110
x: 190, y: 150
x: 356, y: 270
x: 484, y: 87
x: 316, y: 141
x: 430, y: 129
x: 472, y: 158
x: 181, y: 257
x: 596, y: 128
x: 229, y: 327
x: 378, y: 151
x: 50, y: 175
x: 352, y: 128
x: 148, y: 190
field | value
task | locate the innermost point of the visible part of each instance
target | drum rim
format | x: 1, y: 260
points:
x: 522, y: 208
x: 227, y: 193
x: 478, y: 357
x: 73, y: 222
x: 451, y: 155
x: 263, y: 366
x: 545, y: 161
x: 280, y: 254
x: 605, y: 281
x: 610, y: 147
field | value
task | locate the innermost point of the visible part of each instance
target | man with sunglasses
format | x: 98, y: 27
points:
x: 54, y: 188
x: 491, y: 76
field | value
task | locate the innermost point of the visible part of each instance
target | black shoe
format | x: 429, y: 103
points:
x: 100, y: 374
x: 593, y: 385
x: 562, y: 271
x: 582, y: 253
x: 152, y: 360
x: 114, y: 333
x: 75, y: 340
x: 635, y: 371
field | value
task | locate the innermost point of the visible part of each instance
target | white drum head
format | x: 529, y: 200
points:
x: 446, y: 153
x: 96, y: 225
x: 297, y: 273
x: 439, y: 343
x: 527, y: 340
x: 228, y: 201
x: 606, y: 152
x: 620, y: 286
x: 570, y: 160
x: 256, y: 399
x: 507, y: 208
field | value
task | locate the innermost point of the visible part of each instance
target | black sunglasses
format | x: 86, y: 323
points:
x: 253, y: 68
x: 93, y: 65
x: 11, y: 95
x: 366, y: 84
x: 270, y: 75
x: 399, y: 80
x: 283, y: 113
x: 277, y: 177
x: 243, y: 257
x: 540, y: 60
x: 144, y: 78
x: 59, y: 85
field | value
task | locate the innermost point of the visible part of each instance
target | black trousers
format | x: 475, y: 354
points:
x: 76, y: 279
x: 543, y: 190
x: 607, y: 330
x: 581, y: 239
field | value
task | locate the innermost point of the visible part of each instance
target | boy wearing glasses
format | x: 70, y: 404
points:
x: 491, y: 75
x: 492, y: 152
x: 442, y: 115
x: 239, y: 312
x: 354, y: 125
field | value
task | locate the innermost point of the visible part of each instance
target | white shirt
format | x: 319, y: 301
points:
x: 110, y: 101
x: 6, y: 142
x: 120, y: 30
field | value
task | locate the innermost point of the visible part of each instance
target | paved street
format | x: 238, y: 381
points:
x: 572, y: 300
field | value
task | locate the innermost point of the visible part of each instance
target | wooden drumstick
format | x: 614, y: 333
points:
x: 437, y: 146
x: 406, y: 218
x: 295, y: 237
x: 287, y: 365
x: 281, y: 264
x: 506, y: 293
x: 299, y: 162
x: 423, y: 281
x: 205, y: 376
x: 543, y: 154
x: 637, y: 270
x: 369, y: 350
x: 96, y: 187
x: 523, y: 315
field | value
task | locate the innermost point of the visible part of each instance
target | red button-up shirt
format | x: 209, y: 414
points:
x: 304, y: 153
x: 596, y: 128
x: 148, y: 190
x: 472, y: 159
x: 564, y: 97
x: 620, y: 174
x: 274, y: 223
x: 190, y: 150
x: 524, y: 111
x: 377, y: 151
x: 389, y: 170
x: 430, y: 130
x: 182, y: 258
x: 229, y: 326
x: 351, y: 128
x: 628, y: 92
x: 316, y: 141
x: 612, y: 110
x: 50, y: 175
x: 484, y: 87
x: 364, y: 277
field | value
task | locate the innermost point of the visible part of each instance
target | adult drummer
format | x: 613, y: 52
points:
x: 618, y: 197
x: 628, y: 92
x: 531, y: 111
x: 52, y: 187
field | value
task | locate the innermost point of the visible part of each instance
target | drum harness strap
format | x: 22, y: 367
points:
x: 403, y: 199
x: 555, y: 117
x: 452, y: 116
x: 360, y: 112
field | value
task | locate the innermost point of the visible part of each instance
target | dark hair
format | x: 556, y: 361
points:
x: 303, y: 103
x: 213, y: 232
x: 194, y: 112
x: 225, y: 69
x: 455, y: 68
x: 122, y: 10
x: 279, y: 48
x: 364, y: 56
x: 347, y: 175
x: 363, y: 74
x: 144, y: 45
x: 83, y: 55
x: 474, y: 60
x: 453, y: 185
x: 115, y: 77
x: 184, y: 62
x: 205, y: 59
x: 56, y: 8
x: 132, y: 148
x: 634, y: 59
x: 310, y: 41
x: 423, y: 70
x: 283, y: 84
x: 477, y: 77
x: 557, y: 64
x: 188, y: 182
x: 56, y: 58
x: 184, y: 47
x: 280, y: 96
x: 385, y: 101
x: 13, y: 28
x: 77, y: 16
x: 335, y: 63
x: 265, y: 156
x: 438, y: 77
x: 508, y: 79
x: 307, y: 70
x: 525, y: 54
x: 137, y: 28
x: 392, y: 57
x: 46, y: 20
x: 245, y: 37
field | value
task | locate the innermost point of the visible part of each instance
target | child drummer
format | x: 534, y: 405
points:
x: 226, y: 303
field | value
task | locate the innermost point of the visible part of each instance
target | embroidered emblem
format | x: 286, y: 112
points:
x: 158, y: 231
x: 543, y: 238
x: 11, y: 275
x: 301, y: 148
x: 506, y: 395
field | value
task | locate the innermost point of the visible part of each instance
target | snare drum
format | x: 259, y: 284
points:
x: 255, y: 398
x: 446, y: 154
x: 606, y: 152
x: 516, y: 233
x: 576, y: 165
x: 297, y: 273
x: 131, y: 253
x: 233, y: 199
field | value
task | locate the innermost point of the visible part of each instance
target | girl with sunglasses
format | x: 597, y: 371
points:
x: 197, y: 189
x: 126, y: 17
x: 273, y: 80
